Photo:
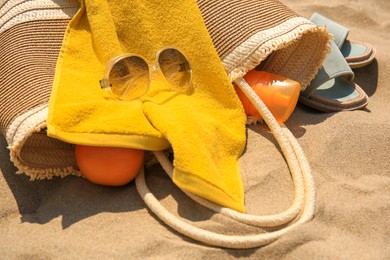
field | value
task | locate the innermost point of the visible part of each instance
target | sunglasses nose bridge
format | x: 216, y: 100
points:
x: 153, y: 67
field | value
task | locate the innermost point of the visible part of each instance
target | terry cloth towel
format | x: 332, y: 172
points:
x: 265, y: 34
x: 204, y: 126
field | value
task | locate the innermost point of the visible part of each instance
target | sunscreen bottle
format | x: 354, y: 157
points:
x: 278, y: 93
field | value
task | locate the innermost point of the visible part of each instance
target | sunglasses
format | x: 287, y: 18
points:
x: 128, y: 76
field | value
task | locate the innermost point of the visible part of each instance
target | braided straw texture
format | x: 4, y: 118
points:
x: 249, y: 33
x: 31, y: 34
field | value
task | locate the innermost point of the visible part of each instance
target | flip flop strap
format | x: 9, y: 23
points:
x: 334, y: 66
x: 338, y: 31
x: 299, y: 168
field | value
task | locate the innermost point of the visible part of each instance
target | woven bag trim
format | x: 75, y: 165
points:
x: 232, y: 22
x: 19, y: 132
x: 14, y: 12
x: 308, y: 44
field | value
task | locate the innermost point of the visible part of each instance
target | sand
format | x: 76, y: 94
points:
x: 349, y: 153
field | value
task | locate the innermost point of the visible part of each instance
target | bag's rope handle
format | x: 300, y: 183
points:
x: 303, y: 204
x: 253, y: 220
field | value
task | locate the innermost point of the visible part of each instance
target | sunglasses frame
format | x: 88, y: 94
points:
x: 155, y: 66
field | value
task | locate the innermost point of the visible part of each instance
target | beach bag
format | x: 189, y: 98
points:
x: 25, y: 93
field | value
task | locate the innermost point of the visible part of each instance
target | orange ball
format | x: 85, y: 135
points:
x: 112, y: 166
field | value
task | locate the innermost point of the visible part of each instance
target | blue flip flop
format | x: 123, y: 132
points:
x: 357, y: 53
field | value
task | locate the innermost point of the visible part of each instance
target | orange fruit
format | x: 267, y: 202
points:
x: 112, y: 166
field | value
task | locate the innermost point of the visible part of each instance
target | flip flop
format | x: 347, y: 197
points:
x: 357, y: 53
x: 332, y: 89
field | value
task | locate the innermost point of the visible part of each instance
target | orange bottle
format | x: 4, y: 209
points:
x: 278, y: 93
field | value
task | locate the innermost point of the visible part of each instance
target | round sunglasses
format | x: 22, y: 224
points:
x: 128, y: 76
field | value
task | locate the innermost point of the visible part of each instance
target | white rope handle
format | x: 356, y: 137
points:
x: 253, y: 220
x: 303, y: 204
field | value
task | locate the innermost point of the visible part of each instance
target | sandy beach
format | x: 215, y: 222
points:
x: 349, y: 153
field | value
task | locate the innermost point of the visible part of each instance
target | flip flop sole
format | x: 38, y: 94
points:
x: 362, y: 60
x: 336, y: 95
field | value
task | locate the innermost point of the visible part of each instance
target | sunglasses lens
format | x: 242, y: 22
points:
x: 129, y: 78
x: 175, y: 68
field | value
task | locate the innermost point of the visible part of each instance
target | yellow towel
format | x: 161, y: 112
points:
x: 204, y: 126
